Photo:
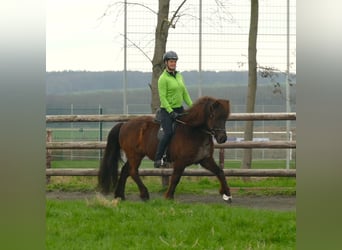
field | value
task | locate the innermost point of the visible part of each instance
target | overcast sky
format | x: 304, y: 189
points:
x: 77, y: 38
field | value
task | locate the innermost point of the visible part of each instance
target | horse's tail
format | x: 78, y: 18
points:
x: 108, y: 172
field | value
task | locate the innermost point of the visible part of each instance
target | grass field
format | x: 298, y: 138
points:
x: 188, y: 184
x: 99, y: 223
x: 256, y: 164
x: 161, y: 224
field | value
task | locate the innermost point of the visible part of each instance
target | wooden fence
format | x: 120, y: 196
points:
x: 121, y: 118
x: 166, y: 171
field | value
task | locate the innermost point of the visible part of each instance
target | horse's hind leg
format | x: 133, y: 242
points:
x: 134, y: 173
x: 211, y: 165
x: 120, y: 188
x: 174, y: 180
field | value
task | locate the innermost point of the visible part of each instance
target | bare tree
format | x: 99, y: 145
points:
x: 272, y: 74
x: 252, y: 80
x: 161, y: 34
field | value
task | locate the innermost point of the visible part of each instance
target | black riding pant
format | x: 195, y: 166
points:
x: 167, y: 125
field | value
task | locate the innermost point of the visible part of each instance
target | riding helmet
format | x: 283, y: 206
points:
x: 170, y: 55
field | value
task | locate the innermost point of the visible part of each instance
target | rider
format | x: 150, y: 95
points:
x: 172, y: 94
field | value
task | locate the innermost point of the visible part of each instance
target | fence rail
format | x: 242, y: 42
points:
x: 122, y: 118
x: 242, y: 144
x: 187, y: 172
x: 167, y: 171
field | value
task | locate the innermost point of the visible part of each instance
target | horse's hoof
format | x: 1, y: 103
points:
x: 168, y: 197
x: 122, y: 198
x: 145, y: 198
x: 227, y: 198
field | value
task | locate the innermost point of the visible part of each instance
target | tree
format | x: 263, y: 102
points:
x: 252, y: 80
x: 161, y: 34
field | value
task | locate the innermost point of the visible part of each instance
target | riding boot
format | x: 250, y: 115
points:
x: 159, y: 158
x: 167, y: 125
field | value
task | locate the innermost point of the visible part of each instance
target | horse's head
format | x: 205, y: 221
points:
x: 218, y: 112
x: 209, y: 114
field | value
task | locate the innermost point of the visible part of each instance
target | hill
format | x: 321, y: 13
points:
x: 86, y: 91
x: 79, y: 81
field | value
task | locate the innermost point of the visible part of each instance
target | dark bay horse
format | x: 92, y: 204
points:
x: 192, y: 143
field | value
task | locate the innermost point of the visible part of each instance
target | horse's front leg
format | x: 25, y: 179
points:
x: 174, y: 180
x: 211, y: 165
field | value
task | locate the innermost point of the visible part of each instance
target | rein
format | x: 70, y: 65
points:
x: 184, y: 123
x: 212, y: 131
x: 207, y: 131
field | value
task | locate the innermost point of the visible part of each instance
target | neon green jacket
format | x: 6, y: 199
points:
x: 172, y: 91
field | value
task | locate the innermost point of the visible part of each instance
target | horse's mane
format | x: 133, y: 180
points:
x: 199, y: 112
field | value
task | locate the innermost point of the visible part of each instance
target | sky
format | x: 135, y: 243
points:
x: 79, y: 37
x: 76, y: 38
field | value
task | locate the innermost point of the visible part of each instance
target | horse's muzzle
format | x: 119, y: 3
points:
x: 221, y: 138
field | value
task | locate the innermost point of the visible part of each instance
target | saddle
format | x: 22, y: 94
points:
x: 157, y: 118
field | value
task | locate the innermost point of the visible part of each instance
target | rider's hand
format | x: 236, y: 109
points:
x: 174, y: 115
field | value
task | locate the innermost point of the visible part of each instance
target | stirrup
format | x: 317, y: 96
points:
x: 158, y: 163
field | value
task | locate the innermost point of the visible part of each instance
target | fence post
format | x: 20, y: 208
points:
x: 165, y: 179
x: 48, y: 153
x: 100, y: 131
x: 221, y: 158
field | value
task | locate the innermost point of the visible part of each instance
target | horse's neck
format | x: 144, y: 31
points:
x: 201, y: 141
x: 194, y: 119
x: 193, y: 122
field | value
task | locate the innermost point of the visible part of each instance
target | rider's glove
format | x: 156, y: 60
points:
x: 174, y: 115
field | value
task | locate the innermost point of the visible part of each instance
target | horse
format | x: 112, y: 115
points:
x: 192, y: 143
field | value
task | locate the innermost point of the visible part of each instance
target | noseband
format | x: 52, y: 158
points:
x: 212, y: 131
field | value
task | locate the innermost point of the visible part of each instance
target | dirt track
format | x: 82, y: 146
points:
x: 279, y: 203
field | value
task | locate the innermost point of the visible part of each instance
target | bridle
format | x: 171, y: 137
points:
x: 210, y: 131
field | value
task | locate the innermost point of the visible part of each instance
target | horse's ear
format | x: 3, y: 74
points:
x: 226, y: 105
x: 216, y: 104
x: 213, y: 106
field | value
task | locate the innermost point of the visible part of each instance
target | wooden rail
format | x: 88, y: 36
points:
x: 242, y: 144
x: 168, y: 171
x: 187, y: 172
x: 122, y: 118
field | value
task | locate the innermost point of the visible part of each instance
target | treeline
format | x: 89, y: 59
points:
x: 81, y: 81
x: 86, y: 91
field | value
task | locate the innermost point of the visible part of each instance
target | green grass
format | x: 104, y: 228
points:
x: 75, y: 164
x: 188, y: 184
x: 76, y: 134
x: 256, y: 164
x: 162, y: 224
